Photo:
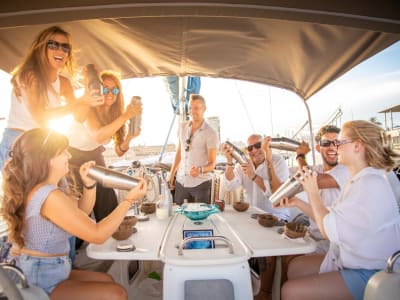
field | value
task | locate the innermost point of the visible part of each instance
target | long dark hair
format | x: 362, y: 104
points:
x: 27, y: 167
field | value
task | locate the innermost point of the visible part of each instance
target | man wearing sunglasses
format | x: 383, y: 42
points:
x: 262, y: 176
x: 331, y: 176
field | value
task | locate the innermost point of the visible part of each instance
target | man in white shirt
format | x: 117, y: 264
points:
x: 331, y: 176
x: 195, y: 156
x: 259, y: 178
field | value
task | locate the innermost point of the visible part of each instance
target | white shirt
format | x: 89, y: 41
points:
x: 82, y: 137
x: 20, y: 117
x: 341, y: 174
x: 253, y: 193
x: 363, y: 224
x: 202, y: 140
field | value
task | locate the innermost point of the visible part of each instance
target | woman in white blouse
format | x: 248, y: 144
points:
x: 363, y: 224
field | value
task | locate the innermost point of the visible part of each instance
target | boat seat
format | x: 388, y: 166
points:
x: 225, y: 282
x: 18, y: 291
x: 384, y: 284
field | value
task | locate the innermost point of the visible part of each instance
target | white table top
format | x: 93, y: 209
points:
x: 261, y: 241
x: 264, y: 241
x: 147, y: 241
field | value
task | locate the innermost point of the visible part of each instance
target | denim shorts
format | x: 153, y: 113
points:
x: 9, y: 136
x: 45, y: 272
x: 356, y: 281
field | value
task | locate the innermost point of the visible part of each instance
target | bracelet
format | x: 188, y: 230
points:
x: 230, y: 164
x: 300, y: 155
x: 122, y: 150
x: 254, y: 177
x: 90, y: 186
x: 127, y: 200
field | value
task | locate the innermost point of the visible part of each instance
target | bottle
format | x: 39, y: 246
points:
x: 112, y: 179
x: 164, y: 204
x: 94, y: 81
x: 136, y: 121
x: 284, y: 143
x: 237, y: 154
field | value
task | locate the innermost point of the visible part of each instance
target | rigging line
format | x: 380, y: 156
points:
x: 244, y: 106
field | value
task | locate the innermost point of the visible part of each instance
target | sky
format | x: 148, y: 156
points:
x: 246, y: 107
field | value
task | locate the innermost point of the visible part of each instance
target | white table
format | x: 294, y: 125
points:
x: 264, y: 241
x: 147, y: 241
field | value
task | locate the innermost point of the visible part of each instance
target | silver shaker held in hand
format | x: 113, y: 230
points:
x: 237, y: 154
x: 112, y: 179
x: 284, y: 143
x: 135, y: 122
x: 94, y: 81
x: 288, y: 189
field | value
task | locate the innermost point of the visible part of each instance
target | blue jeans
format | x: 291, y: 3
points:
x: 45, y: 272
x: 9, y: 136
x: 356, y: 281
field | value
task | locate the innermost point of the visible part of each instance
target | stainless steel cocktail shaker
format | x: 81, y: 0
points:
x: 112, y: 179
x: 237, y: 154
x: 288, y: 189
x: 284, y: 143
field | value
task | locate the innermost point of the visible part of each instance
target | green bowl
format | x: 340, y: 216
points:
x: 204, y: 210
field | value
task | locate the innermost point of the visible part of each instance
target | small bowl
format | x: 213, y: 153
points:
x: 267, y: 220
x: 148, y: 207
x: 294, y: 230
x: 241, y: 206
x: 120, y: 235
x: 129, y: 221
x: 197, y: 211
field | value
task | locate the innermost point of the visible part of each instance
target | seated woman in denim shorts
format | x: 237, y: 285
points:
x: 362, y: 225
x: 41, y: 217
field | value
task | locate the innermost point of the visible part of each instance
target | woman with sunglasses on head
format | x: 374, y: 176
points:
x: 363, y: 224
x: 103, y: 123
x: 40, y: 93
x: 38, y: 208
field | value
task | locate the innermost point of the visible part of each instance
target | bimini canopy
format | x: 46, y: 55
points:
x: 297, y: 45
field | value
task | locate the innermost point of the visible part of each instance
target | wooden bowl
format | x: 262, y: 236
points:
x: 294, y: 230
x: 129, y: 221
x: 148, y: 207
x: 267, y: 220
x: 120, y: 235
x: 241, y: 206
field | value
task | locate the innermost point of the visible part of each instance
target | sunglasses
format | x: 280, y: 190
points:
x: 114, y: 91
x: 188, y: 141
x: 327, y: 143
x: 342, y: 142
x: 54, y: 45
x: 256, y: 146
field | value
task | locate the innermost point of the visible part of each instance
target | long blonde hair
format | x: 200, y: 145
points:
x: 378, y: 153
x: 116, y: 110
x: 35, y: 65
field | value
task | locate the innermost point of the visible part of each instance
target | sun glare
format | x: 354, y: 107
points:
x: 61, y: 125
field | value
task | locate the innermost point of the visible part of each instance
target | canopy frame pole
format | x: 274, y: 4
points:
x: 311, y: 132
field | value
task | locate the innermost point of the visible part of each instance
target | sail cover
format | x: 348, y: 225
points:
x: 298, y: 45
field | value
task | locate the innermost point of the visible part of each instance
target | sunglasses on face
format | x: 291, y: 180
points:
x: 54, y: 45
x: 256, y: 146
x: 114, y: 91
x: 327, y: 143
x: 342, y: 142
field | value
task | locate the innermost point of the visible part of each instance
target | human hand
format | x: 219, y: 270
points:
x: 83, y: 172
x: 304, y: 148
x: 133, y: 109
x: 266, y: 149
x: 138, y: 192
x: 248, y: 169
x: 308, y: 179
x: 287, y: 202
x: 227, y: 150
x: 195, y: 171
